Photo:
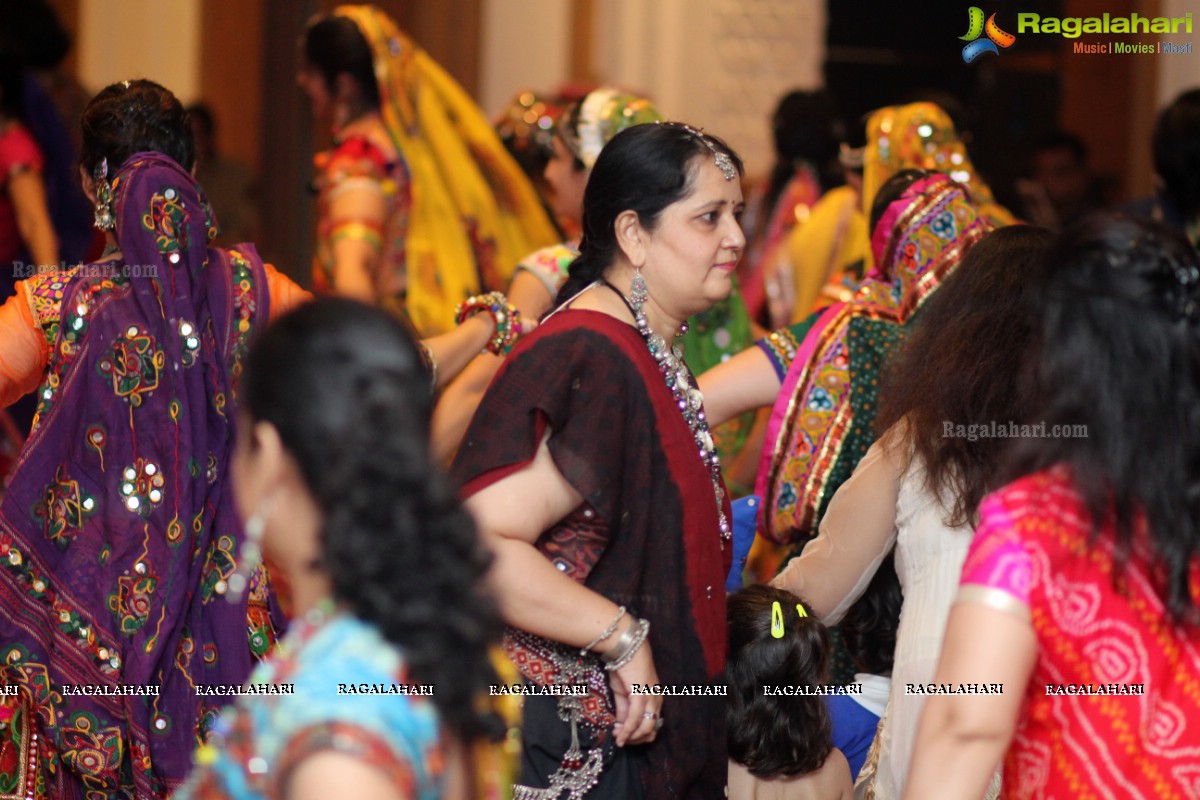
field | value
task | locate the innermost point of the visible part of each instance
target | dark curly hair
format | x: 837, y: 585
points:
x: 1177, y: 152
x: 132, y: 117
x: 869, y: 627
x: 344, y: 385
x: 963, y: 364
x: 774, y: 736
x: 334, y: 45
x: 1118, y: 312
x: 643, y: 169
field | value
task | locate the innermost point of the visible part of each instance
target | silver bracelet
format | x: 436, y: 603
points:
x: 607, y: 632
x: 627, y: 646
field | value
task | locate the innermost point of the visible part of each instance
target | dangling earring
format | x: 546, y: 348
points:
x: 638, y: 295
x: 250, y: 555
x: 104, y: 214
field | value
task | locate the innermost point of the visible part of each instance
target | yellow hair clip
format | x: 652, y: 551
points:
x: 800, y: 610
x: 776, y: 620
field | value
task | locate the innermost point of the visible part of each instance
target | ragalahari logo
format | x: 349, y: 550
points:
x: 996, y: 38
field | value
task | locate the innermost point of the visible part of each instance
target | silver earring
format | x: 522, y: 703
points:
x: 638, y: 295
x: 249, y: 557
x: 104, y: 213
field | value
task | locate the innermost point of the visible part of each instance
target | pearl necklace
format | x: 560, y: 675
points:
x: 688, y: 399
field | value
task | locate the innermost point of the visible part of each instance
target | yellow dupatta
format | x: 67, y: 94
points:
x: 474, y: 213
x: 922, y: 136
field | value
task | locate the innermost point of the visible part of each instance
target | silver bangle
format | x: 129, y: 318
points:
x: 607, y: 632
x: 627, y: 646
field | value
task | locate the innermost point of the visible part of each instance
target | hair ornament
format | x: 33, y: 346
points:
x: 722, y: 159
x: 800, y: 610
x: 776, y: 620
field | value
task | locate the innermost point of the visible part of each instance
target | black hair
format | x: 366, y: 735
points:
x: 891, y: 191
x: 869, y: 626
x: 773, y: 736
x: 1177, y: 152
x: 31, y: 32
x: 334, y: 45
x: 1058, y: 139
x: 643, y: 169
x: 955, y: 368
x: 202, y: 115
x: 345, y: 387
x: 806, y: 128
x: 12, y: 87
x: 132, y: 117
x: 1118, y: 307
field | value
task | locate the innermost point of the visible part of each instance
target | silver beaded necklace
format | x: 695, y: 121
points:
x: 688, y: 398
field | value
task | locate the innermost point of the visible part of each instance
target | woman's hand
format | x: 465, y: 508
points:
x: 633, y: 726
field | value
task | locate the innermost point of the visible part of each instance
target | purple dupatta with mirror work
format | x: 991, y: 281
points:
x: 118, y: 532
x: 823, y: 419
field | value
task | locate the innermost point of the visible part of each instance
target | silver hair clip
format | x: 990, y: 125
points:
x: 722, y: 159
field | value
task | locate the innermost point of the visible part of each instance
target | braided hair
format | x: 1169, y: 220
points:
x: 344, y: 385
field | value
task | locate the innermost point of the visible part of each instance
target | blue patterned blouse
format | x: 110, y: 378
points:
x: 335, y: 686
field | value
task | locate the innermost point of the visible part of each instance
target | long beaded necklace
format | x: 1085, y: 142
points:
x: 688, y: 398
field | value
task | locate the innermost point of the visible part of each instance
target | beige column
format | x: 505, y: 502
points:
x: 720, y: 64
x: 525, y: 46
x: 155, y: 39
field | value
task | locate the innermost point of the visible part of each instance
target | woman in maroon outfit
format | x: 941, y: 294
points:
x: 591, y: 472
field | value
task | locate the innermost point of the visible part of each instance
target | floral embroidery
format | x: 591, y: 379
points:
x: 219, y: 564
x: 45, y: 295
x: 244, y: 305
x: 187, y: 646
x: 142, y: 486
x: 134, y: 364
x: 63, y: 508
x: 168, y: 219
x: 943, y: 225
x: 258, y: 613
x: 131, y: 602
x: 90, y: 749
x: 63, y: 329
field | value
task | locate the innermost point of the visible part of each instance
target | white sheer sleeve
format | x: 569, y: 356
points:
x: 856, y: 534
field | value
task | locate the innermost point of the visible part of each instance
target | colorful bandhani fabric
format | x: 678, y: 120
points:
x: 118, y: 531
x: 823, y: 421
x: 474, y: 213
x: 1035, y: 547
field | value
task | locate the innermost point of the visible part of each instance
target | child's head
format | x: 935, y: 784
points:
x: 777, y: 735
x: 869, y: 627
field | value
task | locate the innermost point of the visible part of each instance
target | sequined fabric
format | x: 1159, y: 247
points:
x: 822, y: 423
x: 117, y: 533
